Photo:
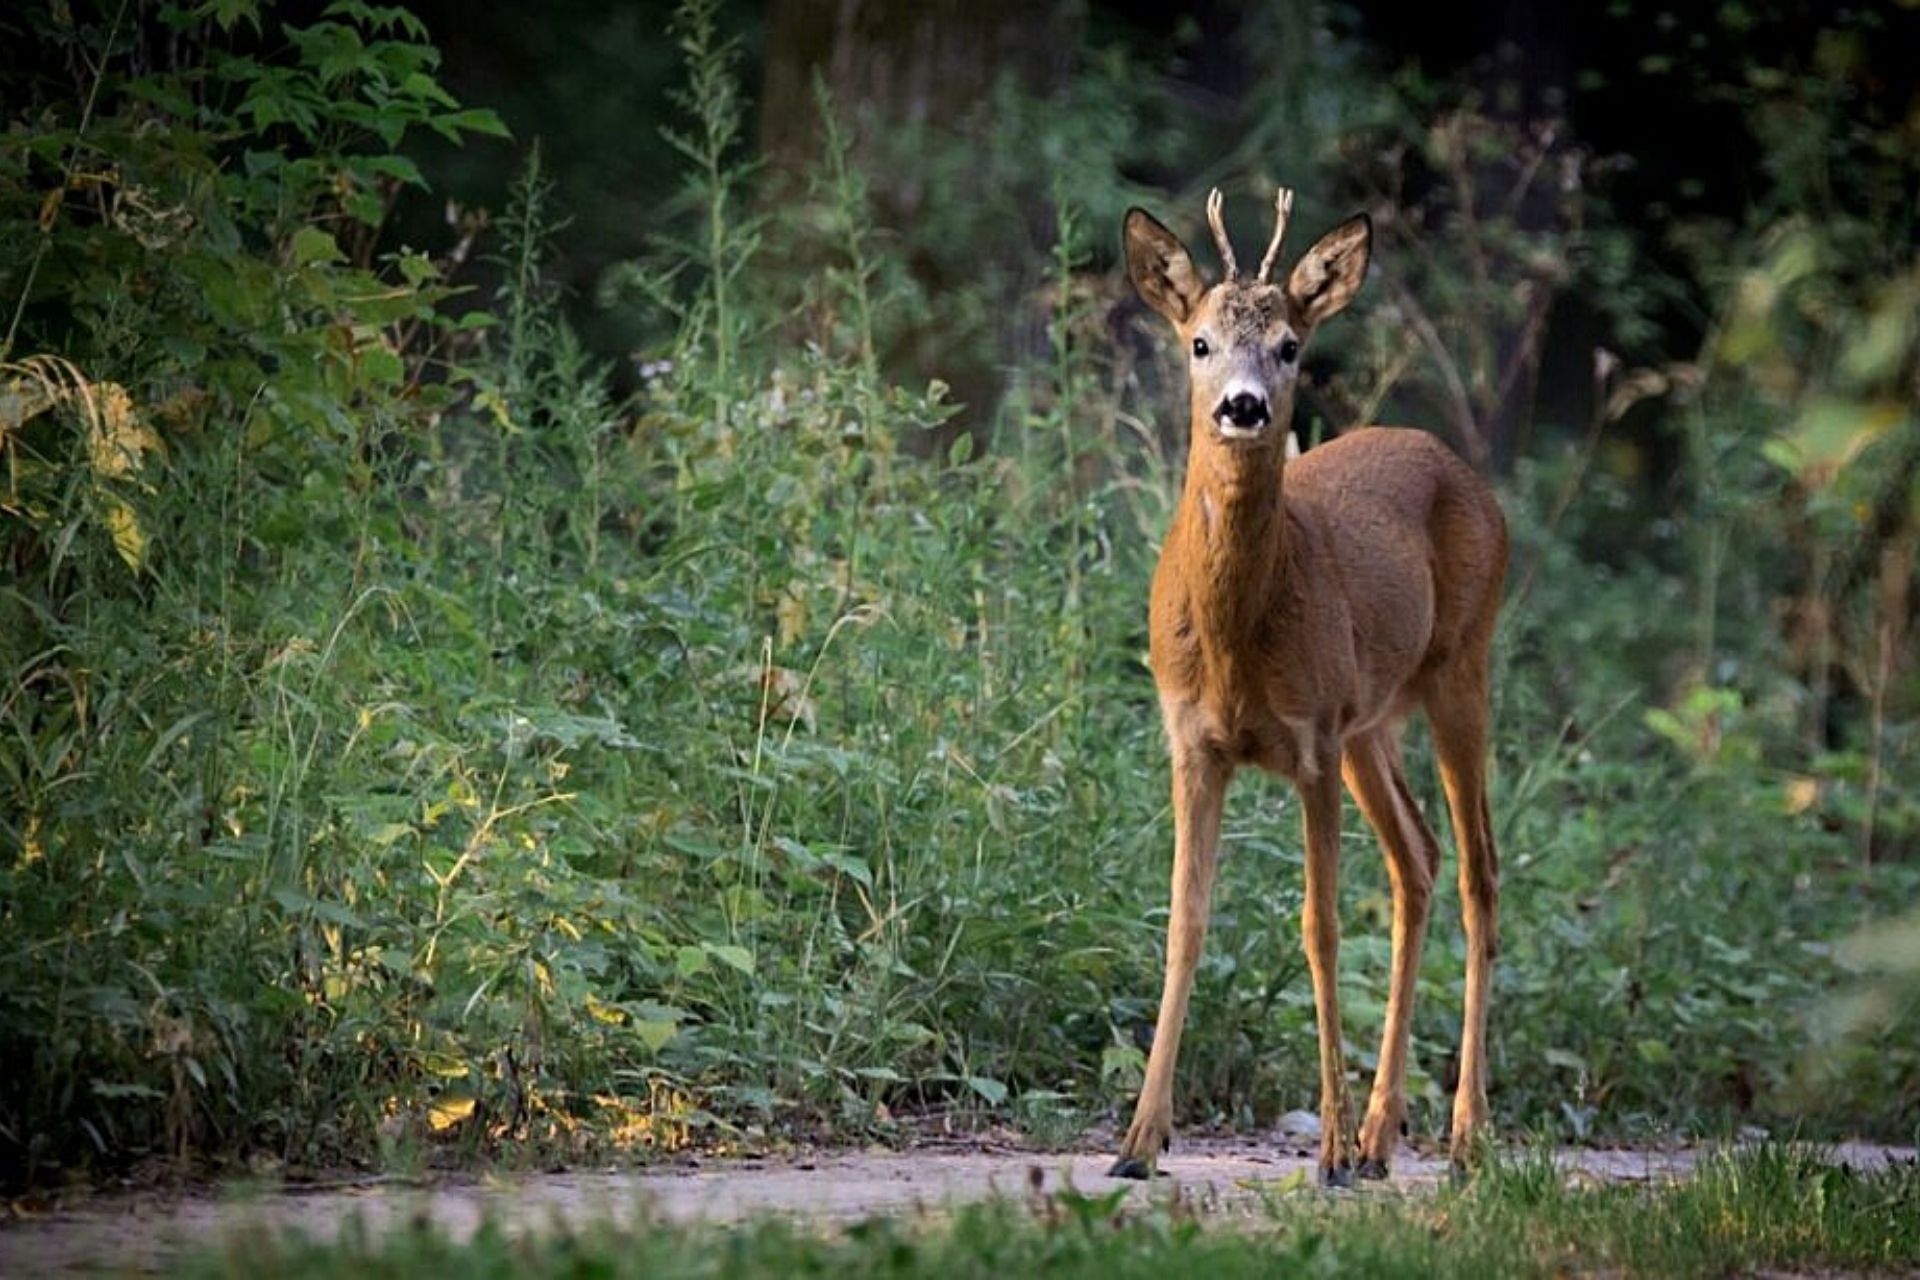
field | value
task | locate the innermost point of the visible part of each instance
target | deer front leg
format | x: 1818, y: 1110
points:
x: 1199, y: 790
x: 1320, y: 927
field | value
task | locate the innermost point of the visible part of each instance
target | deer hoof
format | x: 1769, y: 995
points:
x: 1371, y: 1170
x: 1132, y: 1167
x: 1336, y: 1177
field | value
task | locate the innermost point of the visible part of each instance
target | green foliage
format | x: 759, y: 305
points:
x: 407, y: 741
x: 235, y: 365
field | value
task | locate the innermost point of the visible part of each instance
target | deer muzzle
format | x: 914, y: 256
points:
x: 1242, y: 414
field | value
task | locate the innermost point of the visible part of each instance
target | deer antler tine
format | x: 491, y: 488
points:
x: 1282, y: 206
x: 1219, y: 226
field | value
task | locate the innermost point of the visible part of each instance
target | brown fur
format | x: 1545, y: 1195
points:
x: 1300, y: 610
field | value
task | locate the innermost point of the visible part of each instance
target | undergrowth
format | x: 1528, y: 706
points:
x: 408, y: 745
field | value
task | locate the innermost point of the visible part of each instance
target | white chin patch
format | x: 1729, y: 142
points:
x: 1229, y: 431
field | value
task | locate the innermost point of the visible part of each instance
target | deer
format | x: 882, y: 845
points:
x: 1304, y: 604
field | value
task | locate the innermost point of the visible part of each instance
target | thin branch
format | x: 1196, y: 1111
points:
x: 66, y: 181
x: 1460, y: 401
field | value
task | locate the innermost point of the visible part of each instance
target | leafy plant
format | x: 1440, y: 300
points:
x: 416, y: 748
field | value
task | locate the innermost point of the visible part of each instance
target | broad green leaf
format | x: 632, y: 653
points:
x: 992, y: 1090
x: 382, y: 366
x: 228, y: 12
x: 311, y: 245
x: 417, y: 268
x: 654, y: 1035
x: 423, y: 86
x: 854, y: 868
x: 472, y: 120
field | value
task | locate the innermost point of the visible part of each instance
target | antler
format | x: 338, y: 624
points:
x: 1219, y: 226
x: 1282, y: 206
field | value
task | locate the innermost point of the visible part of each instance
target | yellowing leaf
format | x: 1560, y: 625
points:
x: 31, y: 851
x: 128, y: 537
x: 448, y: 1112
x: 492, y: 402
x: 1286, y: 1184
x: 790, y: 613
x: 601, y: 1011
x: 1800, y: 794
x: 1832, y: 432
x: 117, y: 440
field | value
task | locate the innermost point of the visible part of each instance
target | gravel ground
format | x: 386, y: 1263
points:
x: 144, y: 1232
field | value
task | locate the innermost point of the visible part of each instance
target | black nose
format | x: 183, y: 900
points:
x: 1244, y: 410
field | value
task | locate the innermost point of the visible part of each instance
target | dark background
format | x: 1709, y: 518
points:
x: 1661, y: 90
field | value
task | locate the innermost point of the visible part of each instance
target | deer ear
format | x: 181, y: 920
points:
x: 1160, y: 267
x: 1329, y: 274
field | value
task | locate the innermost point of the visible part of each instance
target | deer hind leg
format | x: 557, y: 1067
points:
x: 1457, y: 709
x: 1199, y: 792
x: 1320, y: 929
x: 1373, y: 773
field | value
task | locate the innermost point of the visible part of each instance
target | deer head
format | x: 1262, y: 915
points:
x: 1244, y: 337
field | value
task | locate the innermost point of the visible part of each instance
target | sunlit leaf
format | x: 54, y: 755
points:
x: 446, y: 1112
x: 655, y: 1035
x: 1799, y: 794
x: 129, y: 539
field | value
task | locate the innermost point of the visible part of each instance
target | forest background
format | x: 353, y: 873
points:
x: 575, y: 583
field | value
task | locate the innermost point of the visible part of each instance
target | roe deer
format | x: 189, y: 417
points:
x: 1301, y: 609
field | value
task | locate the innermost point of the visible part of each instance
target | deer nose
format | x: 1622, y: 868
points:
x: 1245, y: 410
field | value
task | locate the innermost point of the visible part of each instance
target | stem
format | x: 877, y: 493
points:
x: 1066, y: 405
x: 66, y: 181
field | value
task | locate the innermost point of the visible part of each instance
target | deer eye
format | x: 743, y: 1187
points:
x: 1290, y: 350
x: 1200, y: 349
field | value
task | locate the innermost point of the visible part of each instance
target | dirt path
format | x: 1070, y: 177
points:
x: 143, y: 1233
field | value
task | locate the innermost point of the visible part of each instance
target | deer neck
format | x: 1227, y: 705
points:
x: 1235, y: 534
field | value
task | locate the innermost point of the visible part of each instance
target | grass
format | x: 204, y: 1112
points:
x: 1773, y: 1209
